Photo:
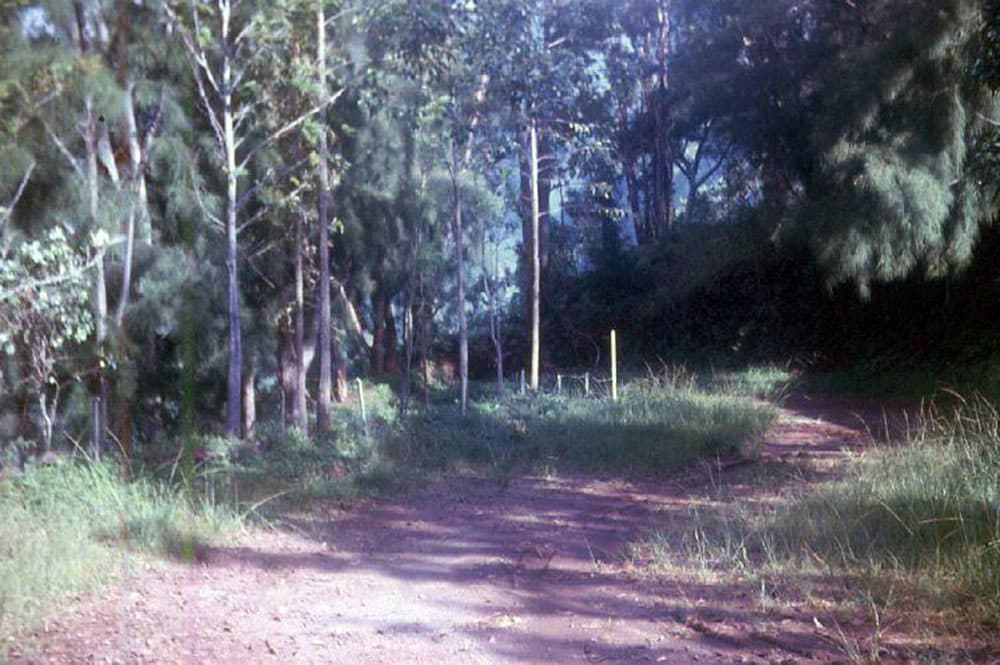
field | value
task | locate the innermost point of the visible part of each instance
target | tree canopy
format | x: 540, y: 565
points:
x: 334, y: 188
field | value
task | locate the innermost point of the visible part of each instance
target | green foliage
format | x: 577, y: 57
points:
x: 43, y: 304
x: 876, y: 168
x: 657, y: 426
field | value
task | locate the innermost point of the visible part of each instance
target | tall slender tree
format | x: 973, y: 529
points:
x: 326, y: 359
x: 220, y: 42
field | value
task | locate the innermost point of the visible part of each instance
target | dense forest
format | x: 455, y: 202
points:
x: 254, y: 202
x: 257, y: 202
x: 221, y: 221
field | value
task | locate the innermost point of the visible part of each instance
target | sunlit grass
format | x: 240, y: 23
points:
x: 916, y: 526
x: 63, y: 528
x: 659, y: 424
x: 765, y: 381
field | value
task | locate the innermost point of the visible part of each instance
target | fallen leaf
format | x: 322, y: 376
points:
x: 508, y: 621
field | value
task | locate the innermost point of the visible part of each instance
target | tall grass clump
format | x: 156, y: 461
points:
x: 929, y: 510
x: 62, y: 529
x: 764, y: 381
x: 659, y: 424
x: 921, y: 517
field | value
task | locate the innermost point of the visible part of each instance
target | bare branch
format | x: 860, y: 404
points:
x: 253, y: 266
x: 197, y: 49
x: 241, y: 35
x: 264, y: 182
x: 106, y: 157
x: 241, y: 115
x: 480, y: 97
x: 201, y: 202
x: 985, y: 118
x: 344, y: 12
x: 712, y: 171
x: 256, y: 217
x: 281, y: 131
x: 352, y: 314
x: 63, y: 149
x: 256, y: 253
x: 5, y: 213
x: 199, y: 67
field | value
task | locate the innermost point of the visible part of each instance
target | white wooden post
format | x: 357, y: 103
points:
x: 614, y: 366
x: 361, y: 398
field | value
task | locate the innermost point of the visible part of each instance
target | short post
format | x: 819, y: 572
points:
x: 361, y: 398
x: 524, y: 388
x: 586, y: 384
x: 614, y: 366
x: 559, y: 384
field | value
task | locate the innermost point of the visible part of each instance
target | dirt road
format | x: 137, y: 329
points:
x: 462, y: 572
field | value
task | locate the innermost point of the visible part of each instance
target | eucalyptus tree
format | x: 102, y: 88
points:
x: 541, y: 65
x: 221, y: 41
x: 72, y: 104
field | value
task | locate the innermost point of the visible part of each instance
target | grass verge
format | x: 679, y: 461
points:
x: 62, y: 528
x: 913, y: 528
x: 658, y: 425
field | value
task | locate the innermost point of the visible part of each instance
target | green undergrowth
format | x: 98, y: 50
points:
x: 897, y: 378
x: 914, y: 525
x: 765, y: 381
x: 658, y: 425
x: 65, y: 528
x: 281, y: 469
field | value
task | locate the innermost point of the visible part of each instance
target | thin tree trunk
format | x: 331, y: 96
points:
x: 425, y: 333
x: 46, y: 422
x: 300, y: 416
x: 525, y: 208
x: 100, y: 298
x: 339, y: 371
x: 407, y: 349
x: 391, y: 340
x: 129, y: 232
x: 463, y: 327
x: 99, y: 292
x: 136, y: 179
x: 628, y: 168
x: 249, y: 400
x: 663, y: 159
x: 378, y: 332
x: 495, y: 337
x: 235, y: 383
x: 632, y: 183
x: 495, y: 330
x: 326, y: 359
x: 287, y: 363
x: 535, y: 262
x: 545, y: 169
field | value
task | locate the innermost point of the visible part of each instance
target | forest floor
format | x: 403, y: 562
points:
x: 467, y: 571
